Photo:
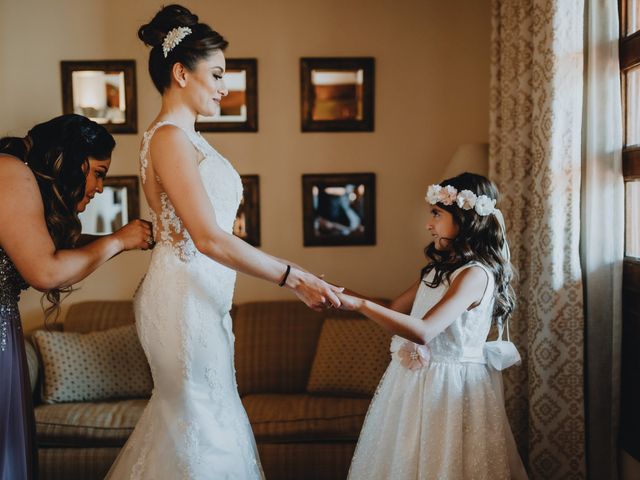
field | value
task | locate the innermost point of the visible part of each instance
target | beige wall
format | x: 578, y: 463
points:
x: 432, y: 94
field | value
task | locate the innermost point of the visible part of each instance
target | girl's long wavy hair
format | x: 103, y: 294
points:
x: 481, y: 239
x: 58, y: 151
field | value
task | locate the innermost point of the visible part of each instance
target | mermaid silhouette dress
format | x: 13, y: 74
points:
x: 18, y: 451
x: 194, y: 426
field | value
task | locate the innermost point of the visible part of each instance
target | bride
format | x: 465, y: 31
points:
x: 194, y: 426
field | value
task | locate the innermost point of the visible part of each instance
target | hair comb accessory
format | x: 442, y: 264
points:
x: 173, y: 39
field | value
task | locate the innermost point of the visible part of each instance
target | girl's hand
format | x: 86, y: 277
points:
x: 349, y: 302
x: 135, y: 234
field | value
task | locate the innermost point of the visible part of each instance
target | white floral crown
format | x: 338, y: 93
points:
x: 173, y: 39
x: 466, y: 199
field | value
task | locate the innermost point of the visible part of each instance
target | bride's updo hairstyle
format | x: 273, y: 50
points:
x: 195, y: 46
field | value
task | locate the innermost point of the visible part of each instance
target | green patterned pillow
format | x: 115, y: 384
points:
x: 81, y: 367
x: 351, y: 357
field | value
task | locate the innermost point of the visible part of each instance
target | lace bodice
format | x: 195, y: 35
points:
x: 221, y: 181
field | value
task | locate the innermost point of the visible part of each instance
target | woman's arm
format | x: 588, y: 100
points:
x: 465, y: 291
x: 86, y: 239
x: 284, y: 263
x: 25, y: 238
x: 175, y: 161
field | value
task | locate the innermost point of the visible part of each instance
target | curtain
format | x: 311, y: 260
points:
x: 602, y: 245
x: 535, y: 159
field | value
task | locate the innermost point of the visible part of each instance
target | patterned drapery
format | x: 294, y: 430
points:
x: 535, y: 159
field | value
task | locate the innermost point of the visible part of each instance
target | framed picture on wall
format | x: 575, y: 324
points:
x: 247, y: 223
x: 239, y: 109
x: 102, y: 90
x: 339, y: 209
x: 337, y: 94
x: 110, y: 210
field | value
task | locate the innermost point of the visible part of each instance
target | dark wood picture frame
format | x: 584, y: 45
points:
x: 128, y: 67
x: 250, y: 66
x: 308, y: 95
x: 130, y: 183
x: 249, y: 211
x: 331, y: 229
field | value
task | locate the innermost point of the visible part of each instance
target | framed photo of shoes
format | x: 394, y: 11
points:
x: 339, y: 209
x: 337, y: 94
x: 102, y: 90
x: 239, y: 109
x: 247, y: 223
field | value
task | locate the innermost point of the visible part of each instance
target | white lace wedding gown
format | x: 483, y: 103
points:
x: 445, y: 420
x: 194, y: 426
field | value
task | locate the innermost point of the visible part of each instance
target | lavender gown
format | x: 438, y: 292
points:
x: 18, y: 451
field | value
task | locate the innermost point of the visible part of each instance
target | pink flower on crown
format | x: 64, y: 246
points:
x: 466, y: 199
x: 448, y: 195
x: 414, y: 356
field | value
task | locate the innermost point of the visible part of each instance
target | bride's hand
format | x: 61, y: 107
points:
x: 313, y: 291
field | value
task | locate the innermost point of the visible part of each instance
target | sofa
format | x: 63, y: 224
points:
x: 304, y: 428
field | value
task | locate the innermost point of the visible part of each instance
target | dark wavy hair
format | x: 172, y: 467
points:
x: 480, y: 238
x: 196, y: 46
x: 58, y: 151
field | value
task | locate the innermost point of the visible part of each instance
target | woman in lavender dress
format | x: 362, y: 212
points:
x: 46, y: 179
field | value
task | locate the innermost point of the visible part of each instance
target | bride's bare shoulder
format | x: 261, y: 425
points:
x: 170, y: 136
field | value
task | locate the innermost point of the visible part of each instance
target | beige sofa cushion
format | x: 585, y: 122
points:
x: 351, y: 357
x: 275, y: 344
x: 103, y: 424
x: 93, y: 366
x: 305, y: 418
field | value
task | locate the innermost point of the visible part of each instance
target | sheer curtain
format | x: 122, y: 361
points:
x: 535, y: 158
x: 602, y: 236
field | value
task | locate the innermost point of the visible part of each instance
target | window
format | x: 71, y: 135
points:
x: 630, y: 78
x: 633, y: 16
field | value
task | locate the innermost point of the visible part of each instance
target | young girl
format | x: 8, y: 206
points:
x: 438, y: 412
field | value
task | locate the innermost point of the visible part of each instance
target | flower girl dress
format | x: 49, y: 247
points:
x: 438, y: 412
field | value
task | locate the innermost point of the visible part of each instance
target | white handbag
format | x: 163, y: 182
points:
x: 501, y: 354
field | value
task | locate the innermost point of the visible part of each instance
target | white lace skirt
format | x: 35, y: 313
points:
x: 194, y: 426
x: 444, y: 421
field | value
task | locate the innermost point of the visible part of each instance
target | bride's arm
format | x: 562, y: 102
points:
x: 287, y: 262
x: 175, y: 161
